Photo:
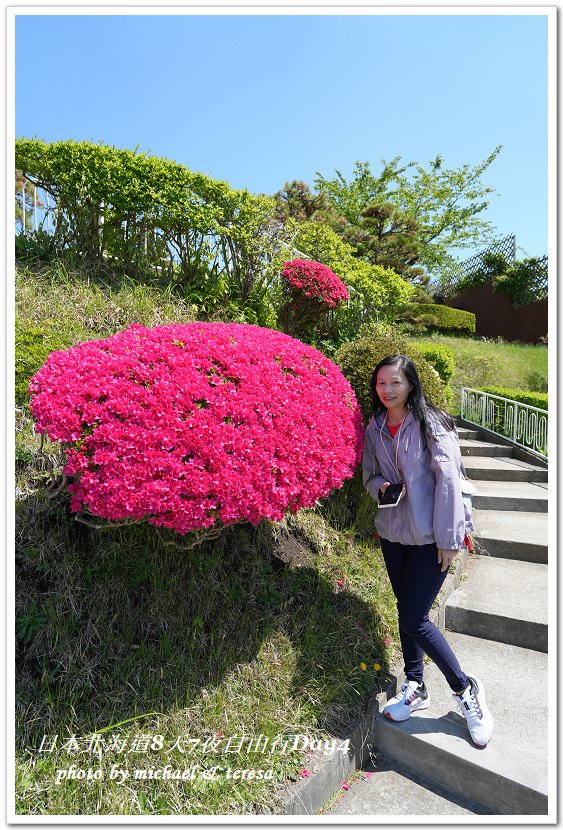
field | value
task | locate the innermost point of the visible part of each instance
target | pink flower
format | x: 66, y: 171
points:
x: 386, y: 641
x: 316, y: 281
x: 304, y: 773
x: 340, y: 583
x: 345, y: 786
x: 191, y: 426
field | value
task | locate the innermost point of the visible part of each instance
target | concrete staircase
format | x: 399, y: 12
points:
x: 496, y: 622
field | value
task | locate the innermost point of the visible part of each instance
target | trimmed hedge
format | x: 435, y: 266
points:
x: 440, y: 357
x: 440, y: 317
x: 538, y: 399
x: 153, y: 219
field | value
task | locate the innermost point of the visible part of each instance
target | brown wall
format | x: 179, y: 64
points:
x: 495, y: 317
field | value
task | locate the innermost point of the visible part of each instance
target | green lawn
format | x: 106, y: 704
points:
x: 493, y: 363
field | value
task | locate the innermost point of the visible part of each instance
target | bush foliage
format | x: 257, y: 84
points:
x: 144, y: 216
x: 198, y: 426
x: 33, y: 344
x: 374, y: 290
x: 524, y: 280
x: 440, y: 317
x: 538, y: 399
x: 359, y: 358
x: 440, y: 357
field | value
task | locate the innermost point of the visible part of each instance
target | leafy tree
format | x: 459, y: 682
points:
x: 385, y: 236
x: 296, y: 201
x: 153, y: 219
x: 351, y: 198
x: 446, y: 204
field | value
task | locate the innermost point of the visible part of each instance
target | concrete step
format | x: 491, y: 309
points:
x: 512, y: 535
x: 467, y: 433
x: 510, y: 495
x: 388, y: 788
x: 510, y: 775
x: 489, y: 468
x: 503, y: 600
x: 474, y: 447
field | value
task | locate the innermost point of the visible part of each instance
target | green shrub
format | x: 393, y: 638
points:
x: 126, y: 211
x: 33, y: 345
x: 538, y: 399
x: 525, y: 281
x: 440, y: 317
x: 536, y: 382
x: 440, y: 357
x: 359, y: 358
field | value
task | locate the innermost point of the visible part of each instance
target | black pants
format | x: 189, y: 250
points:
x: 416, y: 577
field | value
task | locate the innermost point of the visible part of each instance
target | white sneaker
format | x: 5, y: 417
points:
x: 476, y: 712
x: 411, y: 696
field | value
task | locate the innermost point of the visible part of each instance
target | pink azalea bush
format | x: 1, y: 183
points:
x: 315, y: 280
x: 190, y: 426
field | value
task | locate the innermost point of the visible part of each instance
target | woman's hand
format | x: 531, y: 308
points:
x: 387, y: 484
x: 446, y: 557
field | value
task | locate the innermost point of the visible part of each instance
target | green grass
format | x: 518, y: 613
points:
x: 493, y: 363
x: 115, y: 625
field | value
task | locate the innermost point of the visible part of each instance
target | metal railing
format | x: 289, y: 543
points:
x: 523, y: 425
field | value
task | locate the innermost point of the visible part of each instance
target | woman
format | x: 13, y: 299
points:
x: 411, y: 442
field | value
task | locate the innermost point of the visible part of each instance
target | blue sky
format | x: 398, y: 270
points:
x: 258, y: 100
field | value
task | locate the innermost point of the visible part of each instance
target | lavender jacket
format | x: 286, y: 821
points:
x: 434, y: 509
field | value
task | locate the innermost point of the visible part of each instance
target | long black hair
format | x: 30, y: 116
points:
x: 416, y: 400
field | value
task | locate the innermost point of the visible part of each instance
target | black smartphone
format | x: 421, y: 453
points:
x: 392, y: 495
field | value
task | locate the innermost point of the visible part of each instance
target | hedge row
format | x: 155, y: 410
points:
x: 149, y: 215
x: 440, y: 317
x: 538, y: 399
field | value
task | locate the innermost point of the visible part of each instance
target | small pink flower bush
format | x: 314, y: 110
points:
x: 311, y: 291
x: 315, y: 280
x: 191, y: 425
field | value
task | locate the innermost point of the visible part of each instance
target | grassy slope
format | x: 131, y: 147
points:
x: 494, y: 363
x: 114, y: 624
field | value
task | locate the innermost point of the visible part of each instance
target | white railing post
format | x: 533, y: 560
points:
x: 534, y: 420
